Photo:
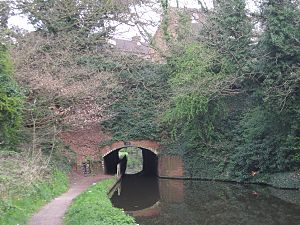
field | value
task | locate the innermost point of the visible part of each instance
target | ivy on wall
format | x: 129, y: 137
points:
x: 137, y: 105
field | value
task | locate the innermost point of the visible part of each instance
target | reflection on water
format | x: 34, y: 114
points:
x: 136, y: 192
x: 174, y: 202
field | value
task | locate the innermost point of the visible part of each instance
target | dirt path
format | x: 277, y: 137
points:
x: 53, y: 212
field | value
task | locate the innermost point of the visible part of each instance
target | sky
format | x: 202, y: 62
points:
x: 190, y: 3
x: 125, y: 31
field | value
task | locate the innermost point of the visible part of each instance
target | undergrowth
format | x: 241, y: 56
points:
x: 93, y: 207
x: 18, y: 206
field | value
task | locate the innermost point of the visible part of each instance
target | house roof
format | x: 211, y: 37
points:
x: 131, y: 46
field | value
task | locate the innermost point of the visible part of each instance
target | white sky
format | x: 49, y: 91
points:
x: 189, y: 3
x: 124, y: 31
x: 20, y: 22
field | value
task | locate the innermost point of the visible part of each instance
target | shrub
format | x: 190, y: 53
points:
x: 10, y: 101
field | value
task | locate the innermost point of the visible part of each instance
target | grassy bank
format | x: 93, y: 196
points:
x: 93, y: 207
x: 17, y: 207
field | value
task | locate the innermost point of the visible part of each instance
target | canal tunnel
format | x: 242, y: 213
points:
x: 150, y: 162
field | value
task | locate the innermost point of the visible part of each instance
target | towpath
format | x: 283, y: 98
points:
x: 53, y: 213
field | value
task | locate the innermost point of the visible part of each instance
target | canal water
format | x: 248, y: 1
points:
x: 154, y: 201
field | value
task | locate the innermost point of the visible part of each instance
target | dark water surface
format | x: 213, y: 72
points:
x: 155, y: 201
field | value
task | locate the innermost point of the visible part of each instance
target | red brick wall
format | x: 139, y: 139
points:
x: 85, y: 142
x: 170, y: 166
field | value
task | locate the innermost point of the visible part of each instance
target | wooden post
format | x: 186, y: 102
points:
x: 119, y: 171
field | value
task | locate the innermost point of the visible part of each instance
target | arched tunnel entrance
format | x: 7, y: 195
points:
x: 150, y: 162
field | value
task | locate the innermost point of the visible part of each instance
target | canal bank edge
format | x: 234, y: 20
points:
x: 290, y: 180
x: 176, y: 167
x: 93, y: 206
x: 114, y: 186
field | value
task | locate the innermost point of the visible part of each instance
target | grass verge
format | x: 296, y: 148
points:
x: 93, y: 207
x: 17, y: 208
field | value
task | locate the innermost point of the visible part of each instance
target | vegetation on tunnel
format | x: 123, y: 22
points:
x: 224, y: 94
x: 227, y: 103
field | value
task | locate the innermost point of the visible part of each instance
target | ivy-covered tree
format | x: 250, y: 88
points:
x: 270, y: 131
x: 235, y: 95
x: 229, y: 31
x: 280, y: 51
x: 209, y: 69
x: 10, y: 102
x: 266, y: 138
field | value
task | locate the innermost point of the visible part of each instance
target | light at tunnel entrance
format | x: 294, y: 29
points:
x: 134, y: 159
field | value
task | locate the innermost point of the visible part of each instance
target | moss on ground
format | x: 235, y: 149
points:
x: 93, y: 207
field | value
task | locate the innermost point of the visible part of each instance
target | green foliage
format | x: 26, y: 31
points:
x: 229, y: 32
x: 93, y: 207
x: 123, y: 153
x: 263, y: 143
x: 280, y: 45
x: 10, y: 102
x: 195, y: 85
x: 205, y: 71
x: 268, y: 134
x: 164, y: 26
x: 228, y: 96
x: 234, y: 104
x: 136, y: 105
x: 17, y: 208
x: 185, y: 26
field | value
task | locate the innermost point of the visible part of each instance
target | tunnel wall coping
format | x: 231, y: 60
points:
x: 153, y: 146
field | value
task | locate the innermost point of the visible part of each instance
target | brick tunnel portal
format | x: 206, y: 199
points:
x: 150, y: 162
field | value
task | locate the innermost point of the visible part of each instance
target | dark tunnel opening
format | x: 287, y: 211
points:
x: 111, y: 161
x: 149, y: 168
x: 150, y: 163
